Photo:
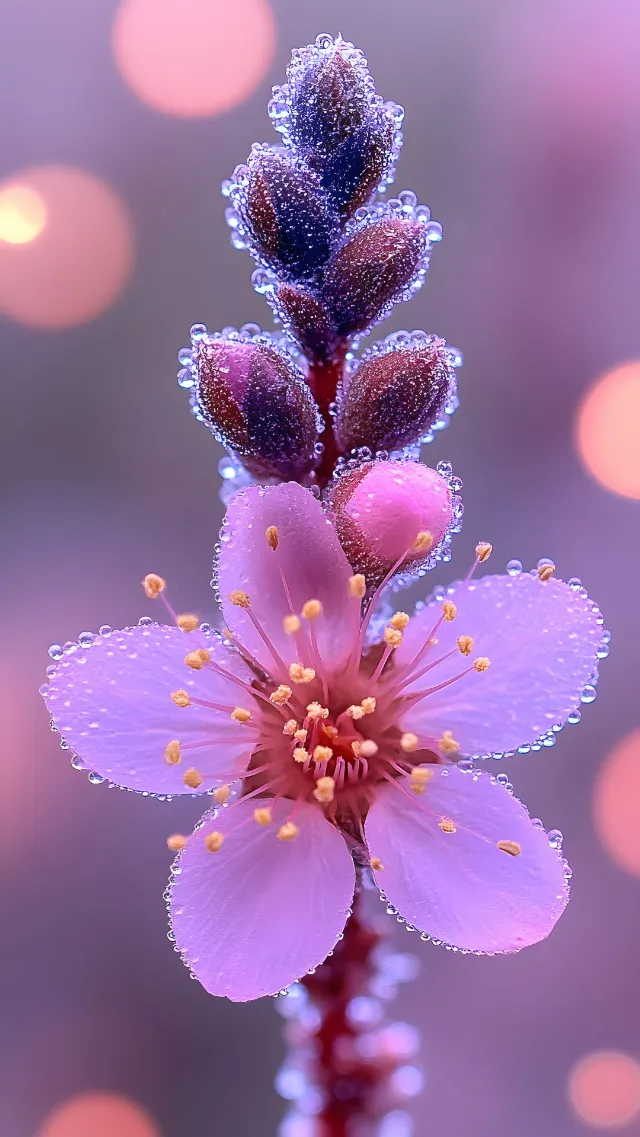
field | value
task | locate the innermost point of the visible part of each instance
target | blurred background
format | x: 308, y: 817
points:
x: 119, y: 122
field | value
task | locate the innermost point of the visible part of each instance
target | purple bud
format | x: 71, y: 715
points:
x: 287, y: 214
x: 257, y: 403
x: 307, y: 320
x: 373, y: 270
x: 353, y: 172
x: 394, y: 396
x: 330, y: 97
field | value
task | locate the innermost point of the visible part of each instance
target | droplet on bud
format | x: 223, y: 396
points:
x: 329, y: 102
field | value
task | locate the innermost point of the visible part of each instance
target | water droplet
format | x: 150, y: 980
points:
x: 514, y: 568
x: 588, y: 694
x: 55, y: 651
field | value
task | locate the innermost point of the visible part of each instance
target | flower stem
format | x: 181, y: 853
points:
x: 324, y: 379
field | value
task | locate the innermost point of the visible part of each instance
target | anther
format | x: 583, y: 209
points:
x: 240, y: 714
x: 354, y: 712
x: 392, y: 637
x: 322, y: 754
x: 448, y: 744
x: 188, y: 622
x: 262, y: 815
x: 510, y: 847
x: 324, y: 790
x: 316, y: 711
x: 197, y: 659
x: 290, y: 727
x: 419, y: 778
x: 449, y: 611
x: 300, y: 754
x: 357, y: 586
x: 288, y: 831
x: 409, y: 742
x: 545, y: 572
x: 312, y: 609
x: 176, y: 841
x: 291, y: 624
x: 300, y: 674
x: 465, y: 644
x: 399, y: 620
x: 239, y: 598
x: 369, y: 748
x: 181, y: 698
x: 482, y: 664
x: 376, y: 864
x: 222, y: 794
x: 153, y: 585
x: 172, y: 753
x: 214, y: 841
x: 272, y: 536
x: 192, y: 778
x: 447, y: 825
x: 281, y: 694
x: 423, y: 541
x: 483, y: 551
x: 369, y: 704
x: 301, y: 734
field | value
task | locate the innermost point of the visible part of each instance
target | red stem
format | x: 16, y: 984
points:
x: 323, y: 379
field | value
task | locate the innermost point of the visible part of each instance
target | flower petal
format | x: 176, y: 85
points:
x: 258, y: 914
x: 311, y: 558
x: 542, y: 640
x: 111, y: 702
x: 459, y: 886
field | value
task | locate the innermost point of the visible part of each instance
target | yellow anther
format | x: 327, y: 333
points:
x: 288, y: 831
x: 300, y: 754
x: 153, y: 585
x: 409, y: 742
x: 172, y: 752
x: 465, y: 644
x: 447, y: 825
x: 281, y: 694
x: 197, y: 659
x: 510, y: 847
x: 300, y: 735
x: 214, y: 841
x: 300, y: 674
x: 355, y: 747
x: 272, y: 536
x: 392, y: 637
x: 399, y: 620
x: 449, y: 611
x: 322, y: 754
x: 423, y: 541
x: 188, y: 622
x: 433, y: 642
x: 369, y: 748
x: 545, y: 572
x: 316, y: 711
x: 312, y: 609
x: 369, y: 704
x: 291, y: 624
x: 324, y: 790
x: 357, y: 586
x: 176, y: 842
x: 355, y: 712
x: 484, y: 551
x: 222, y: 794
x: 376, y: 864
x: 448, y: 744
x: 482, y: 664
x: 240, y: 714
x: 290, y: 727
x: 181, y: 698
x: 262, y: 815
x: 239, y: 598
x: 421, y: 774
x: 192, y: 778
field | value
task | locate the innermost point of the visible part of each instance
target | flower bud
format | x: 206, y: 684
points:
x: 306, y: 319
x: 352, y: 174
x: 394, y: 396
x: 387, y: 510
x: 258, y: 404
x: 330, y: 97
x: 373, y: 270
x: 287, y: 214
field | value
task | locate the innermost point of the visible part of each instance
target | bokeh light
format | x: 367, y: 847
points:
x: 616, y: 803
x: 604, y: 1089
x: 608, y: 430
x: 23, y: 214
x: 83, y: 254
x: 99, y: 1115
x: 193, y: 57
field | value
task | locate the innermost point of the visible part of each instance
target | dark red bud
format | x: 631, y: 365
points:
x: 308, y: 321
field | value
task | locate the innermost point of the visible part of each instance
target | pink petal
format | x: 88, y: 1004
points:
x: 258, y: 914
x: 111, y: 702
x: 311, y: 558
x: 460, y: 887
x: 541, y: 639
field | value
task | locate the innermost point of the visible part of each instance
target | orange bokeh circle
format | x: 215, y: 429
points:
x: 99, y: 1115
x: 608, y: 430
x: 193, y: 58
x: 604, y: 1089
x: 81, y: 258
x: 616, y: 803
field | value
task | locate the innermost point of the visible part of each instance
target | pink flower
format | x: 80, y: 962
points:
x: 323, y: 749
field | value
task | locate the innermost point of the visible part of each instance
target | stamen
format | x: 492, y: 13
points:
x: 465, y: 644
x: 355, y: 746
x: 369, y: 748
x: 290, y: 727
x: 448, y: 744
x: 376, y: 864
x: 482, y: 664
x: 172, y: 753
x: 300, y: 754
x: 357, y: 586
x: 214, y: 841
x: 354, y: 712
x: 192, y: 778
x: 322, y: 754
x: 222, y: 794
x: 369, y: 704
x: 392, y: 637
x: 288, y: 831
x: 301, y: 735
x: 262, y: 815
x: 272, y: 536
x: 420, y: 775
x: 188, y: 622
x: 197, y: 659
x: 409, y: 742
x: 324, y: 790
x: 239, y: 598
x: 176, y: 841
x: 281, y: 695
x: 423, y: 541
x: 311, y: 609
x: 545, y: 572
x: 181, y: 698
x: 510, y: 847
x: 399, y: 620
x: 153, y: 585
x: 449, y: 611
x: 300, y: 674
x: 240, y: 714
x: 483, y: 551
x: 316, y: 711
x: 447, y: 825
x: 291, y: 624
